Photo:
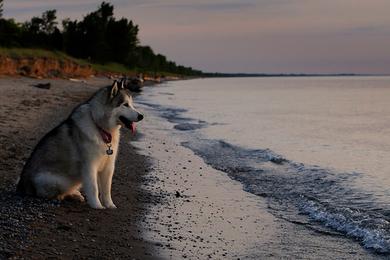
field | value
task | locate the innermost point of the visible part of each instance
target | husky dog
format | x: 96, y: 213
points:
x: 81, y: 151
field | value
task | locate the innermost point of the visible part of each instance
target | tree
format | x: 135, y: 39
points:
x: 1, y: 8
x: 46, y: 24
x: 94, y: 28
x: 10, y: 33
x: 73, y: 38
x: 42, y: 31
x: 98, y: 37
x: 121, y: 36
x: 49, y: 21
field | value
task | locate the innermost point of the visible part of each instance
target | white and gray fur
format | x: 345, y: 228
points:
x: 73, y: 155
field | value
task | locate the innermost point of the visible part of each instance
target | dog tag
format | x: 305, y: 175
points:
x: 109, y: 151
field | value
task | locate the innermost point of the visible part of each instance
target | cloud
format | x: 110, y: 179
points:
x: 203, y: 6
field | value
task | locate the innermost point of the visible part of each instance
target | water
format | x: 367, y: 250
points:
x: 316, y: 148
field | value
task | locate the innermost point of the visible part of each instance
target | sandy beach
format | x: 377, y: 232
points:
x: 32, y: 228
x: 171, y: 205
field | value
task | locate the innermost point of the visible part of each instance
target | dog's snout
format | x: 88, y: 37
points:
x: 140, y: 117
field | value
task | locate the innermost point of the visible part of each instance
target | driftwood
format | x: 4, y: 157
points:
x: 43, y: 85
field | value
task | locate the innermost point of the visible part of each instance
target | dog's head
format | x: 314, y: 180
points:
x: 121, y: 103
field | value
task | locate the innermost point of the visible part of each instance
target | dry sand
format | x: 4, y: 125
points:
x: 37, y: 229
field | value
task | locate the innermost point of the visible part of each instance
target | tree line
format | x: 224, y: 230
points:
x: 99, y: 37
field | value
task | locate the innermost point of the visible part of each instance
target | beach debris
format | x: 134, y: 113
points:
x: 77, y: 80
x: 178, y: 195
x: 42, y: 85
x: 135, y: 84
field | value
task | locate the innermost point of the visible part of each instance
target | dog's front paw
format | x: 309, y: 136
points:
x: 96, y: 205
x: 111, y: 206
x: 107, y: 202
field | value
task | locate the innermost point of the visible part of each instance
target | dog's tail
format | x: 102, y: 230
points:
x: 24, y: 186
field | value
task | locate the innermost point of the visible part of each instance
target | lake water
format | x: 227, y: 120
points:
x: 316, y: 148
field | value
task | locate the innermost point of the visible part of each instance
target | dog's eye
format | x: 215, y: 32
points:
x: 126, y: 104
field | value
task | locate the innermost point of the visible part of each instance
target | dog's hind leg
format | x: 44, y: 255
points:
x: 105, y: 182
x: 51, y: 186
x: 73, y: 194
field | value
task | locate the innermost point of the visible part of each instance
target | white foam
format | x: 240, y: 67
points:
x: 372, y: 238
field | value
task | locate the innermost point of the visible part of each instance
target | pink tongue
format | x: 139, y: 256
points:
x: 132, y: 128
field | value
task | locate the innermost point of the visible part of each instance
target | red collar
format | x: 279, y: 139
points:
x: 106, y: 136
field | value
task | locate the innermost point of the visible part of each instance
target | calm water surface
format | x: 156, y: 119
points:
x: 316, y: 148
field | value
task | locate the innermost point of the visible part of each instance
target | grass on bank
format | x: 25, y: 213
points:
x: 37, y: 53
x: 112, y: 67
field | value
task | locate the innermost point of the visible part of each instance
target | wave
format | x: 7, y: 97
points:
x: 294, y: 188
x: 372, y: 232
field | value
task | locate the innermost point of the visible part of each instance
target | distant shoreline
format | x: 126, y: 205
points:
x: 282, y: 75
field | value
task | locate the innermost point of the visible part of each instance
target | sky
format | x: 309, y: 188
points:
x: 252, y: 36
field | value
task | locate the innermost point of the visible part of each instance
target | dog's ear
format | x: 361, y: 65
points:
x: 114, y: 89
